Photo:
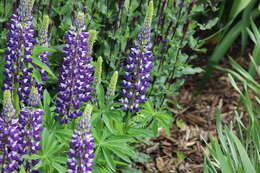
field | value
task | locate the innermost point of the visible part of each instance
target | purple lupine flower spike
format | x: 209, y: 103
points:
x: 10, y: 157
x: 76, y: 75
x: 30, y: 121
x: 19, y: 49
x: 81, y: 152
x: 137, y: 71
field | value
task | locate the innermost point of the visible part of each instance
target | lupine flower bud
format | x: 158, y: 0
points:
x: 8, y: 108
x: 112, y: 84
x: 34, y: 97
x: 10, y: 157
x: 139, y: 64
x: 81, y: 152
x: 19, y: 49
x: 76, y: 75
x: 149, y: 14
x: 98, y: 70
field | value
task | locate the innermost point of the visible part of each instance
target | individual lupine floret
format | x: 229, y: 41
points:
x: 112, y: 85
x: 76, y: 75
x: 19, y: 49
x: 30, y: 121
x: 139, y: 64
x: 10, y: 157
x: 81, y: 152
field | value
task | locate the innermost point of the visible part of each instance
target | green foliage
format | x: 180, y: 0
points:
x: 238, y: 148
x: 231, y: 29
x: 116, y: 132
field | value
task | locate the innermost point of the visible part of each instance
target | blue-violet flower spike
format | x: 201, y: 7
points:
x: 10, y: 158
x: 76, y: 75
x: 19, y: 50
x: 81, y: 152
x: 139, y: 64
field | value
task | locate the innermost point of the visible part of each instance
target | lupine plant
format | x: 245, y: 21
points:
x: 90, y: 116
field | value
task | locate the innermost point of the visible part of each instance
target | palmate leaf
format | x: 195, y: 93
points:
x: 114, y: 149
x: 49, y: 155
x: 158, y: 118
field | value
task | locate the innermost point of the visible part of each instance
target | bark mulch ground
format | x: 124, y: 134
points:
x: 182, y: 152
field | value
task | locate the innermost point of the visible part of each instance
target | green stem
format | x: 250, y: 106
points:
x: 16, y: 99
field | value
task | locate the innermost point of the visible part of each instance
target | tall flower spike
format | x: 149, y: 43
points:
x: 112, y: 84
x: 10, y: 157
x: 138, y: 66
x: 98, y: 70
x: 81, y: 152
x: 76, y: 75
x: 19, y: 50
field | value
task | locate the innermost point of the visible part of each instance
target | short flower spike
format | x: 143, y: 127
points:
x: 112, y: 84
x: 44, y: 27
x: 8, y: 107
x: 85, y: 121
x: 81, y: 152
x: 43, y: 41
x: 80, y: 21
x: 34, y: 97
x: 91, y: 40
x: 98, y: 70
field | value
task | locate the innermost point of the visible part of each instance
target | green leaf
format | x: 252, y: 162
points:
x: 120, y: 153
x: 237, y: 7
x: 108, y: 123
x: 31, y: 157
x: 248, y: 167
x: 37, y: 50
x: 140, y: 132
x: 109, y: 159
x: 46, y: 98
x: 38, y: 62
x: 58, y: 167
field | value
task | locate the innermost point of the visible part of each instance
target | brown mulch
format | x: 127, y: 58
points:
x: 182, y: 152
